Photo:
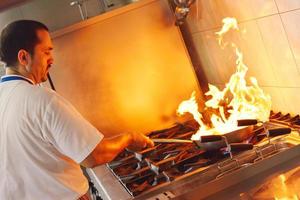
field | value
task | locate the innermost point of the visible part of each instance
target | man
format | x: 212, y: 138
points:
x: 43, y: 139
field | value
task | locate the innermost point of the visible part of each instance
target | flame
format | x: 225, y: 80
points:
x: 235, y: 101
x: 191, y: 106
x: 229, y: 23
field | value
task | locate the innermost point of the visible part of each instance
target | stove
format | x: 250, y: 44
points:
x: 184, y: 171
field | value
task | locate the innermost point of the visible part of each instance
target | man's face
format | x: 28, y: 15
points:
x: 42, y: 59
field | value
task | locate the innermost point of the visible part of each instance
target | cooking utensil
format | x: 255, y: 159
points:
x: 202, y: 139
x: 215, y: 142
x: 236, y: 137
x: 269, y: 133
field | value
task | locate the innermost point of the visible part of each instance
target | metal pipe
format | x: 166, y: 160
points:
x: 79, y: 4
x: 181, y: 10
x: 191, y: 48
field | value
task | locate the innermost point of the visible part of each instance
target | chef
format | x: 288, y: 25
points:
x: 43, y: 138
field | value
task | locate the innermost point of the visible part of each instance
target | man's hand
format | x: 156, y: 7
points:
x: 109, y: 148
x: 139, y: 141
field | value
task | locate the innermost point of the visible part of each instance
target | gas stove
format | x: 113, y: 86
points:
x: 184, y: 171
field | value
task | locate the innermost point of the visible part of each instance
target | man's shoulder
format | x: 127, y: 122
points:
x: 40, y: 90
x: 42, y: 94
x: 48, y: 96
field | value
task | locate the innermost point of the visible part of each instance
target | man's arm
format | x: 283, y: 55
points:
x: 109, y: 148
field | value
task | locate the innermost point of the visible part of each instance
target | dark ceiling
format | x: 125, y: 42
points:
x: 5, y: 4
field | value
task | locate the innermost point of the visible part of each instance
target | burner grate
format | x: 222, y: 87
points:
x: 141, y: 171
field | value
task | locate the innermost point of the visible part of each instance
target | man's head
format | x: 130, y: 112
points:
x: 26, y: 46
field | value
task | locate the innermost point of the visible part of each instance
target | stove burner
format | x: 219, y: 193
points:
x: 144, y: 170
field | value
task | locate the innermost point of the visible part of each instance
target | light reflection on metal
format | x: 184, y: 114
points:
x: 182, y: 9
x: 282, y: 187
x: 106, y: 4
x: 81, y: 3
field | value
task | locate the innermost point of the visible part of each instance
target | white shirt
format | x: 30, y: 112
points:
x: 42, y: 140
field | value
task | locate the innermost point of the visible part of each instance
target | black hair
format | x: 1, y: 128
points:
x: 21, y: 34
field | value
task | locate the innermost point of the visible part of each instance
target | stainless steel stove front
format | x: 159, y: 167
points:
x: 210, y: 180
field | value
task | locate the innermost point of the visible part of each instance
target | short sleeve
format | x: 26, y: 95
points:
x: 69, y: 132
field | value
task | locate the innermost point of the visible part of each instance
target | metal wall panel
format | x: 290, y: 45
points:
x: 126, y: 70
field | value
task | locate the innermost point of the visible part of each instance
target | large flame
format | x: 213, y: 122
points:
x: 235, y: 101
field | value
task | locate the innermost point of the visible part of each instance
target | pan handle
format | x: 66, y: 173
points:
x: 210, y: 138
x: 160, y: 140
x: 239, y: 147
x: 247, y: 122
x: 279, y: 131
x: 275, y: 132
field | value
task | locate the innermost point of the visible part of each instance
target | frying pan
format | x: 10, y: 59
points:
x: 215, y: 142
x: 234, y: 138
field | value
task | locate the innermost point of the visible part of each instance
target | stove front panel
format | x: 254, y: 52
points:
x: 183, y: 170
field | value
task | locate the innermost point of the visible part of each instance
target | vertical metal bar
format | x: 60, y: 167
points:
x: 191, y: 48
x: 81, y: 12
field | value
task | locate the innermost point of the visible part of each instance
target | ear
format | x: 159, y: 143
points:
x: 23, y: 57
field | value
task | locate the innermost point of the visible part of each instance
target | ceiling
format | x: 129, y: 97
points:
x: 5, y: 4
x: 56, y: 14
